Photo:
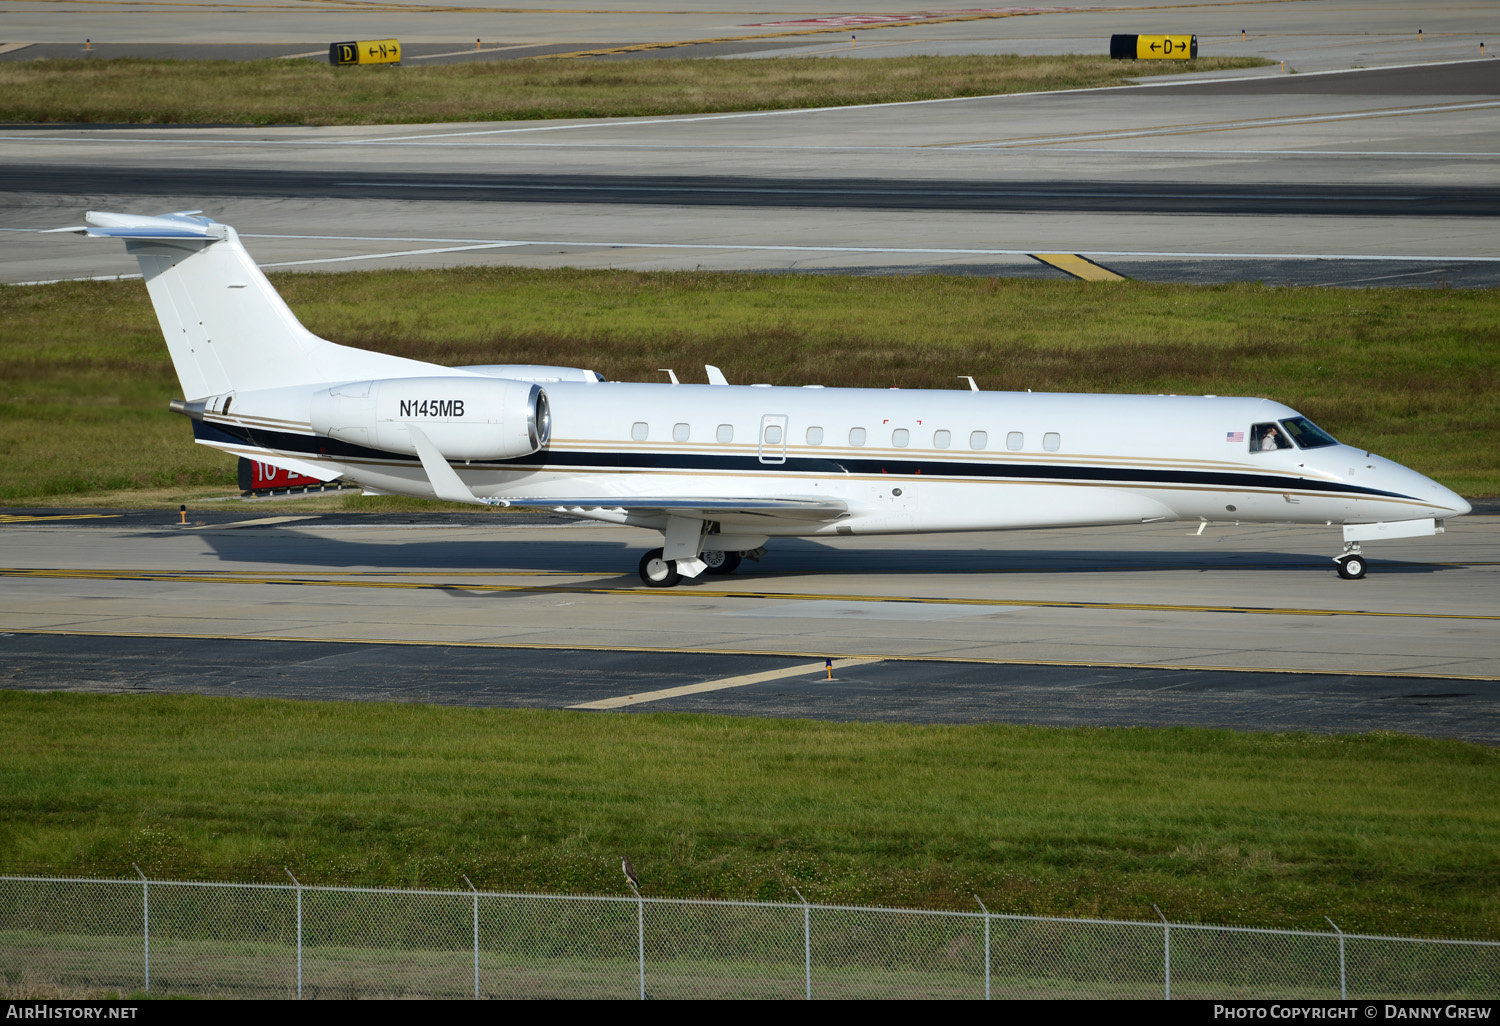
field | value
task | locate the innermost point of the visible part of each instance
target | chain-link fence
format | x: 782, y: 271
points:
x: 290, y: 941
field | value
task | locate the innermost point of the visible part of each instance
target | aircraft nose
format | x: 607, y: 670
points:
x: 1456, y: 504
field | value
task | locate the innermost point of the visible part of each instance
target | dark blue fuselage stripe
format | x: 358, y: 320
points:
x: 551, y: 459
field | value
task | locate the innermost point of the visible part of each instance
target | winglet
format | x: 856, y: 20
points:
x: 446, y: 484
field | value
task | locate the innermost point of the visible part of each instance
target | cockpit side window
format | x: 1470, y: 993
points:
x: 1268, y: 438
x: 1306, y: 434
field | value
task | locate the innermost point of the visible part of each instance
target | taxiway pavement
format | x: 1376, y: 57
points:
x: 1246, y: 627
x: 1361, y: 177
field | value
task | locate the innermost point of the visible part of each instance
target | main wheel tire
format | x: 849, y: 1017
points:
x: 1352, y: 568
x: 657, y: 571
x: 720, y: 562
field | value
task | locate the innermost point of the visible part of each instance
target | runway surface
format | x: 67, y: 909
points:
x: 1381, y: 176
x: 1310, y: 35
x: 1243, y: 627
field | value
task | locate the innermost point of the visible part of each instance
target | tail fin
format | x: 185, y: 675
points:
x: 225, y: 326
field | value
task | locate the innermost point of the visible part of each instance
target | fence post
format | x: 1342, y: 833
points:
x: 1343, y: 987
x: 476, y: 935
x: 288, y: 872
x: 640, y: 933
x: 806, y: 943
x: 146, y: 921
x: 1167, y: 936
x: 986, y: 948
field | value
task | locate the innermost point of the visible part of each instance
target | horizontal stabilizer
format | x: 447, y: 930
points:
x: 180, y: 226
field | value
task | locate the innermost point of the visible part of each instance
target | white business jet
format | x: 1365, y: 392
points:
x: 718, y: 469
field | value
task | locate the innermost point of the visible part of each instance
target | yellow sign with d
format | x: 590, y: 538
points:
x: 365, y: 51
x: 1149, y: 48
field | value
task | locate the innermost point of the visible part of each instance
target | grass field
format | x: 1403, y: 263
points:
x: 1411, y: 374
x: 134, y: 91
x: 1381, y: 832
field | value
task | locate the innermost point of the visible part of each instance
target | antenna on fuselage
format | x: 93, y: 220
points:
x: 970, y: 379
x: 669, y: 372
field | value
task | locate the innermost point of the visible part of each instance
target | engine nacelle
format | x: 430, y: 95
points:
x: 466, y: 418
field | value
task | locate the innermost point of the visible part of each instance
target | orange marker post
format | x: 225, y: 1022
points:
x: 830, y: 668
x: 183, y: 511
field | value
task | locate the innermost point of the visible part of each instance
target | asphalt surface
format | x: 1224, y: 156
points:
x: 682, y: 191
x: 1383, y: 176
x: 891, y: 691
x: 1247, y: 628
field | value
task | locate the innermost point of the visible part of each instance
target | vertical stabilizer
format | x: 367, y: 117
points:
x: 225, y: 326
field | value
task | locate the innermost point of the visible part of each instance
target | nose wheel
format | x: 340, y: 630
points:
x: 1351, y: 564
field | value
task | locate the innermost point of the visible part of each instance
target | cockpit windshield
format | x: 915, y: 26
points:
x: 1306, y: 434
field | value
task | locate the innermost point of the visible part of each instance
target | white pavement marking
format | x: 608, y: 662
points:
x: 1184, y: 255
x: 258, y: 522
x: 716, y: 685
x: 400, y: 253
x: 748, y: 248
x: 1219, y: 126
x: 464, y: 53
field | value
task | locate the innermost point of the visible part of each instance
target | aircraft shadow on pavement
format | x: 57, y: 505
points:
x: 788, y: 557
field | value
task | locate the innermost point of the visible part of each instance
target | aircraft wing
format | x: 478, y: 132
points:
x: 446, y: 484
x: 701, y: 509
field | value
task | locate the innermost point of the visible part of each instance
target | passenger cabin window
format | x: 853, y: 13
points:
x: 1268, y: 438
x: 901, y: 438
x: 639, y: 431
x: 1052, y: 441
x: 978, y: 440
x: 941, y: 439
x: 1015, y: 440
x: 1304, y: 432
x: 773, y: 434
x: 814, y: 436
x: 856, y: 436
x: 725, y: 433
x: 680, y: 432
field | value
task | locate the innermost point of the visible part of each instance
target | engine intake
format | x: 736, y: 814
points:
x: 466, y: 418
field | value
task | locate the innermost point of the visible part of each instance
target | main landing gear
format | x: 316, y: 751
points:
x: 1351, y: 563
x: 659, y: 572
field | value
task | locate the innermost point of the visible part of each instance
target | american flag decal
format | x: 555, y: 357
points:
x: 1235, y: 436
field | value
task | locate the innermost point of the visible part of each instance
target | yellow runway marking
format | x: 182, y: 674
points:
x: 701, y: 593
x: 21, y: 518
x: 795, y: 654
x: 722, y: 684
x: 1078, y: 266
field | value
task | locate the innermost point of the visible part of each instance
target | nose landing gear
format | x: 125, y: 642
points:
x: 1351, y: 562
